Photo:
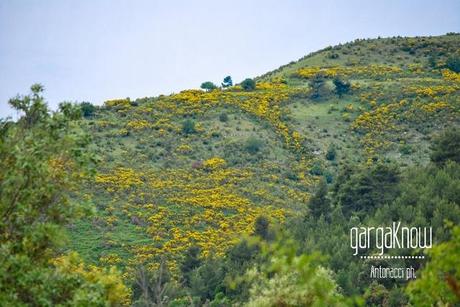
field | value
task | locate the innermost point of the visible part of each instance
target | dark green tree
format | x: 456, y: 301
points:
x: 227, y: 82
x: 433, y: 60
x: 87, y: 109
x: 397, y: 297
x: 261, y: 225
x: 376, y: 295
x: 446, y: 147
x: 367, y: 188
x: 208, y: 280
x: 331, y: 153
x: 33, y: 107
x: 319, y: 204
x: 248, y: 84
x: 318, y: 87
x: 191, y: 261
x: 155, y: 288
x: 242, y: 254
x: 341, y: 87
x: 208, y: 86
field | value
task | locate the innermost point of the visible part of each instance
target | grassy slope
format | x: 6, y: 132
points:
x: 156, y: 194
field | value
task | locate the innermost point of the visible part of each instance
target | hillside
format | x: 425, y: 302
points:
x: 198, y: 168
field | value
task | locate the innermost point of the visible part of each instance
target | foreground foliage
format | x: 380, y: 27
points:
x: 43, y: 161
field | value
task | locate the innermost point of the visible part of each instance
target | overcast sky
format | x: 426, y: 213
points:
x: 90, y: 50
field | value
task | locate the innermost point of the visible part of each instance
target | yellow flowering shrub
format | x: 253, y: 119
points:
x: 450, y: 75
x: 109, y: 284
x: 122, y: 177
x: 214, y: 163
x: 138, y: 124
x: 435, y: 106
x: 435, y: 91
x: 118, y: 103
x: 356, y: 71
x: 110, y: 259
x: 184, y: 148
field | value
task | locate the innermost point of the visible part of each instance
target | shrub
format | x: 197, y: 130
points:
x: 333, y: 56
x: 328, y: 177
x: 453, y: 63
x: 118, y: 104
x: 223, y: 117
x: 438, y: 284
x: 253, y: 145
x: 405, y: 149
x: 316, y: 169
x: 433, y: 61
x: 290, y: 278
x: 248, y: 84
x: 87, y: 109
x: 331, y: 153
x: 214, y: 163
x: 188, y: 127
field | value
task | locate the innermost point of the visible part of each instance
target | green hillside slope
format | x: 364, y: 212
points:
x: 198, y: 168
